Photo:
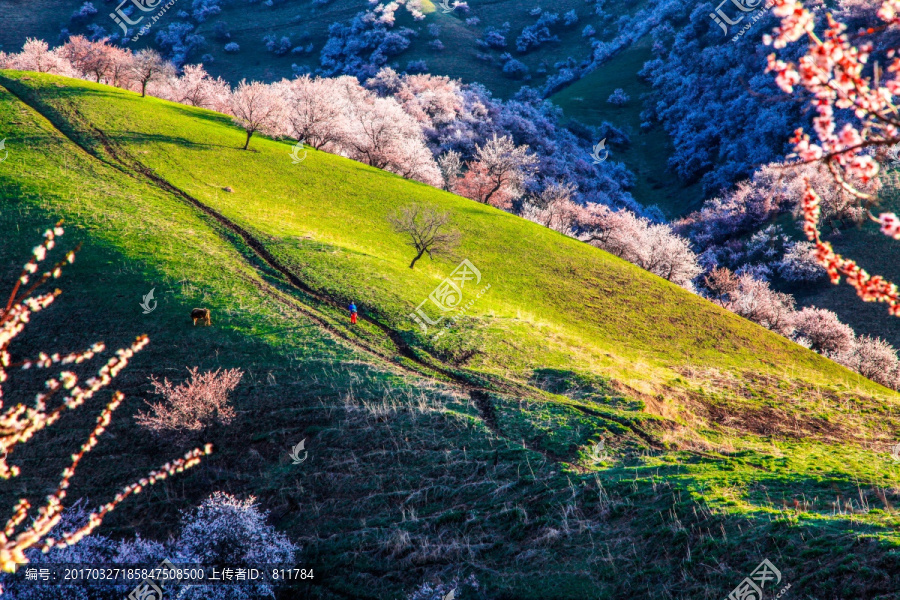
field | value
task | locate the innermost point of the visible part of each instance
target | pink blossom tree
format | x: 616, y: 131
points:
x: 823, y: 330
x: 651, y: 246
x: 37, y: 56
x: 120, y: 73
x: 375, y: 124
x: 95, y: 59
x: 196, y: 88
x: 193, y: 405
x: 432, y: 100
x: 753, y: 299
x: 147, y: 67
x: 498, y: 173
x: 378, y: 132
x: 315, y: 110
x: 554, y: 207
x: 873, y: 358
x: 257, y: 107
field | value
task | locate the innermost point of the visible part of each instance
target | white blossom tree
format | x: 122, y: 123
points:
x: 378, y: 132
x: 197, y: 88
x: 753, y: 299
x: 873, y: 358
x: 823, y: 330
x: 37, y: 56
x: 315, y: 109
x: 651, y: 246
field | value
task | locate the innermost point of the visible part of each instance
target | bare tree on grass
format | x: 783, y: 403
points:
x: 193, y: 405
x: 19, y: 423
x: 426, y: 230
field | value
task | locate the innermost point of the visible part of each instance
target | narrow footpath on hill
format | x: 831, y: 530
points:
x: 285, y: 287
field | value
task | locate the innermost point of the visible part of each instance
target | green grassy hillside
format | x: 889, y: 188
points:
x: 431, y: 457
x: 647, y: 154
x: 647, y: 157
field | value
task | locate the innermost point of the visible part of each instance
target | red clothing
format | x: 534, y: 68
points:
x: 353, y: 317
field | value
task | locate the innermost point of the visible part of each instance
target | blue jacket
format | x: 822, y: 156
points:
x: 352, y: 307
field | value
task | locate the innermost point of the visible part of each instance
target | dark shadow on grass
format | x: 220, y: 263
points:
x: 206, y: 114
x: 51, y: 101
x: 134, y: 137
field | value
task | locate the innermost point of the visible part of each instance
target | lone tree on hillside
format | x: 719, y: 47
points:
x: 426, y: 230
x: 149, y: 66
x: 257, y: 107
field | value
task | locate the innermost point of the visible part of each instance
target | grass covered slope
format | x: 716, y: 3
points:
x: 426, y: 462
x: 326, y: 218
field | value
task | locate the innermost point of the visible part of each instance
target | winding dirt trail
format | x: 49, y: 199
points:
x: 410, y: 360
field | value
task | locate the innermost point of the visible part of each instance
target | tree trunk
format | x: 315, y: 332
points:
x: 492, y: 192
x: 144, y: 88
x: 247, y: 142
x: 418, y: 256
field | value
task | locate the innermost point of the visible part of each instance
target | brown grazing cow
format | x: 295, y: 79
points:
x: 202, y: 315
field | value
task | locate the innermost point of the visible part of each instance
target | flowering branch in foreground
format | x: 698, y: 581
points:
x: 832, y: 72
x: 869, y: 288
x: 19, y: 423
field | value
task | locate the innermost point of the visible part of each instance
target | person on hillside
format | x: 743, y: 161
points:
x: 352, y: 309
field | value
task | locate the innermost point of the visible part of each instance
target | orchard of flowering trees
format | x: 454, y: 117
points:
x: 407, y: 124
